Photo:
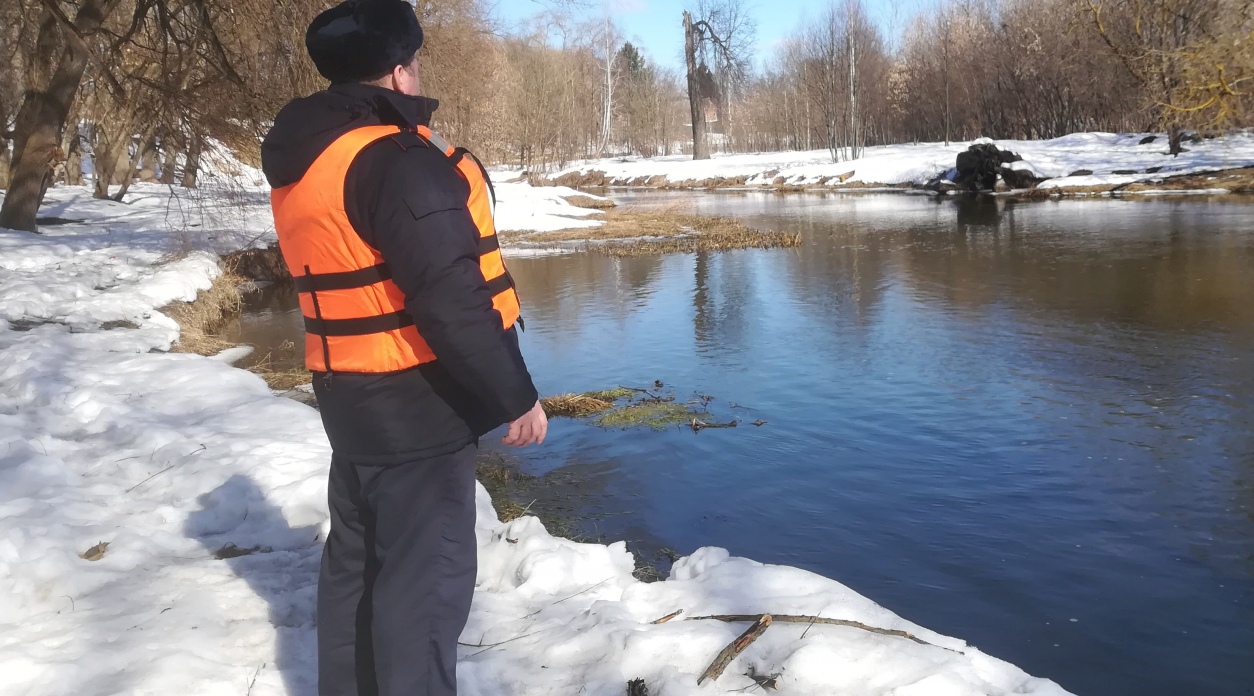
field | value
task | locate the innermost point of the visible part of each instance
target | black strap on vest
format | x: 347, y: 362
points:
x: 488, y: 244
x: 314, y: 283
x: 407, y: 139
x: 461, y: 152
x: 500, y: 284
x: 360, y: 326
x: 348, y: 280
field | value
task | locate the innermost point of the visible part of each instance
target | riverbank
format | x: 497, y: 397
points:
x: 640, y: 233
x: 163, y: 514
x: 1077, y: 164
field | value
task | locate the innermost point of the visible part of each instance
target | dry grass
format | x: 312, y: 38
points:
x: 498, y: 477
x: 1235, y: 180
x: 283, y: 368
x: 286, y: 380
x: 663, y: 231
x: 612, y: 394
x: 573, y: 405
x: 590, y: 202
x: 200, y: 320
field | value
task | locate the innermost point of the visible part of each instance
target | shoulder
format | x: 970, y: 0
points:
x: 406, y: 165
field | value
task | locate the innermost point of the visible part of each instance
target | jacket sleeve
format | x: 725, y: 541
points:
x: 411, y: 206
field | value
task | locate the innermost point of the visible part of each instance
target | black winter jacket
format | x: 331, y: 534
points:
x: 410, y: 205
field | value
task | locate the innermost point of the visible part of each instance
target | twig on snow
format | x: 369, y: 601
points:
x: 176, y: 463
x: 537, y: 611
x: 668, y: 617
x: 148, y: 479
x: 729, y: 653
x: 253, y: 683
x: 797, y: 618
x: 511, y: 640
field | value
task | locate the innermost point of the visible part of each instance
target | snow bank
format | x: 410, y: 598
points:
x: 209, y: 492
x: 1101, y: 153
x: 521, y: 207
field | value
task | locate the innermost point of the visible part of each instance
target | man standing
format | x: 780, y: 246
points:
x: 409, y: 317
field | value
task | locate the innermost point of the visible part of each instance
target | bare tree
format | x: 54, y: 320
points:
x: 60, y: 59
x: 1155, y: 41
x: 722, y: 34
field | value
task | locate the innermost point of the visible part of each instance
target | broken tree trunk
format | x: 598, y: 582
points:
x: 700, y: 148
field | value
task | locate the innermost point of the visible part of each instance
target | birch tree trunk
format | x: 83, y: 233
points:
x: 853, y: 90
x: 607, y: 115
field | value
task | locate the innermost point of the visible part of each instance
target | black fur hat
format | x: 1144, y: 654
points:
x: 363, y: 39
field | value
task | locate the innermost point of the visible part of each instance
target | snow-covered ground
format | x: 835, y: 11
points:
x: 179, y: 462
x: 521, y: 207
x: 1101, y: 153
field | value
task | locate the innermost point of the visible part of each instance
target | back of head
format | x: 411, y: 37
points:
x: 363, y: 40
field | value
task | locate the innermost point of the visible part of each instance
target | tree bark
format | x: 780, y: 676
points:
x: 112, y: 148
x: 126, y: 177
x: 41, y: 119
x: 192, y: 167
x: 4, y: 165
x: 73, y: 159
x: 133, y: 161
x: 169, y: 160
x: 700, y: 148
x: 148, y: 161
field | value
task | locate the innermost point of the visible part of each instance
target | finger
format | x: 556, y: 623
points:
x: 526, y: 435
x: 544, y: 430
x: 512, y: 435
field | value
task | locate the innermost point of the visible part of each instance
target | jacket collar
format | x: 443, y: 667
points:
x: 392, y: 108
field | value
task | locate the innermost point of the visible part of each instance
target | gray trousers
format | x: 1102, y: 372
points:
x: 398, y: 574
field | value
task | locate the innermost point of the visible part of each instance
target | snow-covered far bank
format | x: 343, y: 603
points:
x: 521, y: 207
x: 1077, y: 160
x: 161, y: 515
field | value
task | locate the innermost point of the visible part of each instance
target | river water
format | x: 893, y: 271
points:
x: 1028, y: 425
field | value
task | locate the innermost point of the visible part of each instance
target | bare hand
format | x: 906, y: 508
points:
x: 530, y: 429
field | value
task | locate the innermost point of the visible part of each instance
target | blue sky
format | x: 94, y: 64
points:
x: 655, y: 25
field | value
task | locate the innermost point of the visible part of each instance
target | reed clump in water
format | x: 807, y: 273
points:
x: 574, y: 405
x: 656, y: 414
x: 590, y: 202
x: 662, y: 231
x: 612, y: 394
x: 643, y: 409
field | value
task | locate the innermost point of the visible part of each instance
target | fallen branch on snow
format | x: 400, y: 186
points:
x: 729, y: 653
x: 798, y: 618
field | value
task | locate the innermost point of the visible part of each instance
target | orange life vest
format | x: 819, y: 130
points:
x: 355, y: 318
